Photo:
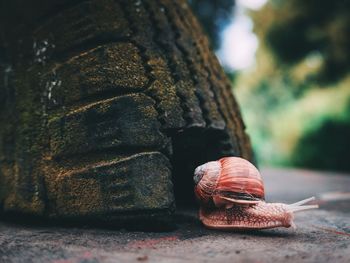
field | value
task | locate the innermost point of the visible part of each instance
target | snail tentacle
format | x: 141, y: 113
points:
x: 231, y: 196
x: 307, y: 200
x: 299, y: 206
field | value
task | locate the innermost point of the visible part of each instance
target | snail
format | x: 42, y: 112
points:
x: 231, y: 196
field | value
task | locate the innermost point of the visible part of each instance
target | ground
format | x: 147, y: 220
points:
x: 322, y: 235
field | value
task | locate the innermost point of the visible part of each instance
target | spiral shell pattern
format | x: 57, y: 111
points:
x: 228, y: 180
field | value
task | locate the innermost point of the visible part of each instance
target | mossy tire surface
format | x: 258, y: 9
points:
x: 113, y: 104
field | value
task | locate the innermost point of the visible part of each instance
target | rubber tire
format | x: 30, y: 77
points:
x: 111, y: 103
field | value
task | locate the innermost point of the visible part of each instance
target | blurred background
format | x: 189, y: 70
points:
x: 289, y: 63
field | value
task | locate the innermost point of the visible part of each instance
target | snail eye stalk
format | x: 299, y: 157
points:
x: 299, y: 206
x: 232, y: 196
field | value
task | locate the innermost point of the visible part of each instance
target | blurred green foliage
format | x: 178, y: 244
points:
x: 298, y: 27
x: 296, y: 102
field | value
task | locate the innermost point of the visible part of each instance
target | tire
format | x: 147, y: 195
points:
x: 113, y: 104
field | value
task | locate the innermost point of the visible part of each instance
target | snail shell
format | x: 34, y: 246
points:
x: 227, y: 181
x: 231, y: 196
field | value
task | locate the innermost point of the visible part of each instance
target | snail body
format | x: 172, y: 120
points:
x: 232, y: 196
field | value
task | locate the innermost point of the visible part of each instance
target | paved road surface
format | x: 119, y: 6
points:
x: 322, y: 235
